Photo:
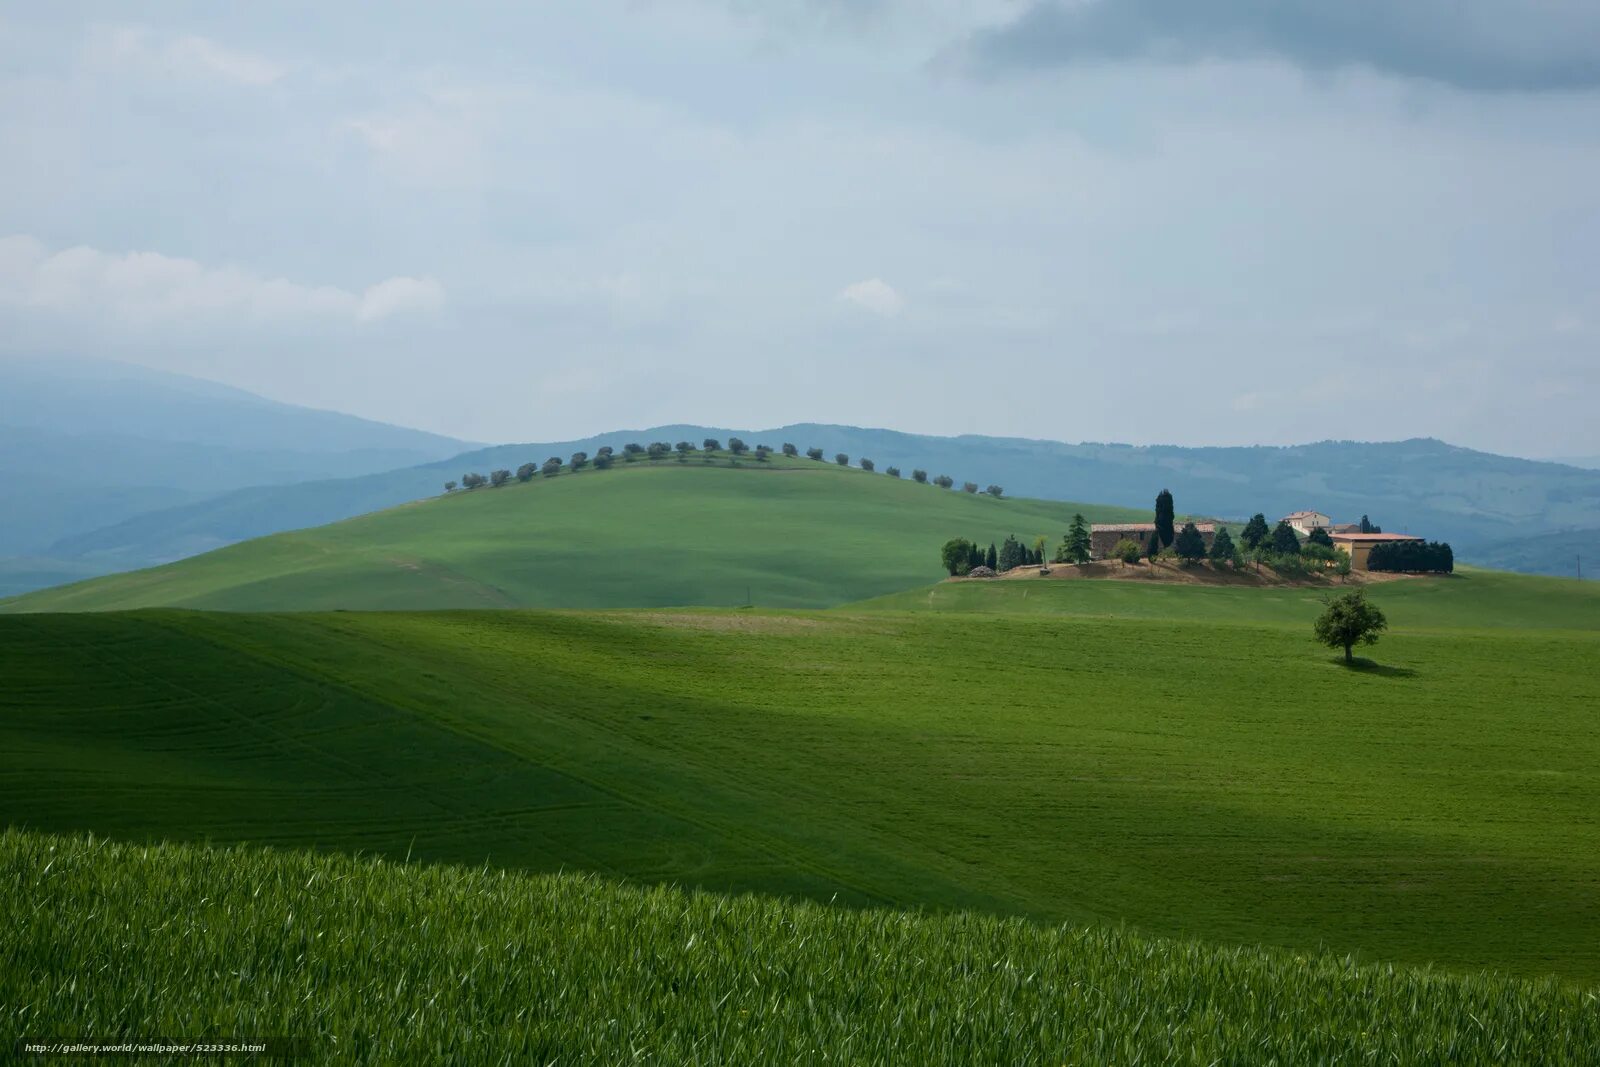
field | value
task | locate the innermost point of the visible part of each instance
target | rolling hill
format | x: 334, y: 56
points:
x: 787, y: 533
x: 363, y: 961
x: 1177, y: 764
x: 1469, y: 498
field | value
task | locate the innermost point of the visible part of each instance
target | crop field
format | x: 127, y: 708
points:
x: 787, y: 533
x: 366, y: 961
x: 1178, y: 770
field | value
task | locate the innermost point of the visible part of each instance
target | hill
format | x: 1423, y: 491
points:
x: 789, y: 533
x: 88, y: 443
x: 1468, y: 498
x: 1181, y: 765
x: 371, y: 962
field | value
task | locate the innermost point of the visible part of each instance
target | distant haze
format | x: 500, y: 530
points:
x: 1110, y: 220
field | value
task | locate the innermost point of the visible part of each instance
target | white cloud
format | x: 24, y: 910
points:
x: 150, y: 287
x: 188, y: 55
x: 875, y: 295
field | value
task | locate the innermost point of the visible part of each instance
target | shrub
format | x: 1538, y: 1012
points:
x: 969, y: 487
x: 790, y: 450
x: 868, y: 465
x: 893, y: 472
x: 841, y: 459
x: 1127, y: 551
x: 919, y: 476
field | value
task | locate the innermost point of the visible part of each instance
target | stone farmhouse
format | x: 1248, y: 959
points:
x: 1103, y: 537
x: 1303, y: 522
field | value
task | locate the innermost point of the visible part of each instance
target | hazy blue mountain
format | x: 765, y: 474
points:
x: 1423, y: 486
x: 88, y: 443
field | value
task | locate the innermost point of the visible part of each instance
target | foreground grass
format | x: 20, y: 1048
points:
x: 786, y: 533
x: 367, y: 961
x: 1187, y: 776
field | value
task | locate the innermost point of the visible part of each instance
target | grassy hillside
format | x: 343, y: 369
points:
x: 363, y: 961
x: 1183, y: 770
x: 1469, y: 599
x: 789, y: 533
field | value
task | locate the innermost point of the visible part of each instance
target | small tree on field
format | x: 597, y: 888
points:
x: 790, y: 450
x: 1164, y: 520
x: 657, y: 449
x: 920, y: 477
x: 1076, y: 545
x: 552, y: 467
x: 471, y: 480
x: 711, y: 444
x: 1127, y: 551
x: 499, y: 478
x: 1255, y: 532
x: 1222, y: 550
x: 1350, y: 620
x: 762, y: 452
x: 893, y: 472
x: 814, y: 453
x: 526, y: 472
x: 579, y: 460
x: 684, y: 447
x: 449, y: 487
x: 995, y: 491
x: 603, y: 460
x: 1190, y: 545
x: 1319, y: 536
x: 841, y: 459
x: 944, y: 481
x: 969, y: 487
x: 868, y: 465
x: 1284, y: 540
x: 737, y: 446
x: 956, y: 555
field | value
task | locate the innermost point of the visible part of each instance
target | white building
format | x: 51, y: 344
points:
x: 1303, y: 522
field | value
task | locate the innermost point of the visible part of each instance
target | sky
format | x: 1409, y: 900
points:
x: 1106, y: 220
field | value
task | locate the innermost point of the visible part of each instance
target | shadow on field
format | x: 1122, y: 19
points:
x: 1367, y: 666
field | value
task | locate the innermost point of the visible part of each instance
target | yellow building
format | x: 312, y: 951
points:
x: 1359, y: 545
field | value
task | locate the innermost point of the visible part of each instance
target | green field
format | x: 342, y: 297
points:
x: 1183, y: 771
x: 362, y: 961
x: 787, y: 533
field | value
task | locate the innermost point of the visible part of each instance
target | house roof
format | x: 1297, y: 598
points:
x: 1143, y: 527
x: 1373, y: 537
x: 1304, y: 515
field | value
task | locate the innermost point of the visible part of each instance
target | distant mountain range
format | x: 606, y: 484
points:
x: 86, y: 444
x: 101, y: 474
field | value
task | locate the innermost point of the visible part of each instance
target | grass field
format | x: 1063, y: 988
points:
x: 788, y: 533
x: 1179, y: 769
x: 364, y: 961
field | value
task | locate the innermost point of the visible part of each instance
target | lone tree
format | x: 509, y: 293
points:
x: 1319, y: 536
x: 1189, y: 544
x: 1076, y: 545
x: 1164, y: 528
x: 1255, y: 532
x: 956, y: 556
x: 1350, y: 620
x: 1284, y: 541
x: 1222, y: 550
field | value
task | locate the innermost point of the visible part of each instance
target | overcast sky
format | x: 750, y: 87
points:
x: 1286, y: 220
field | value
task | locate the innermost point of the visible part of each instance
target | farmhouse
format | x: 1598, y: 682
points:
x: 1303, y: 522
x: 1103, y: 537
x: 1359, y: 545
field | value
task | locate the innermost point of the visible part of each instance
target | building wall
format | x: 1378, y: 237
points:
x: 1101, y: 542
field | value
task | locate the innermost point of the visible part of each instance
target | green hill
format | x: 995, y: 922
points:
x: 1178, y: 766
x: 371, y: 962
x: 787, y: 533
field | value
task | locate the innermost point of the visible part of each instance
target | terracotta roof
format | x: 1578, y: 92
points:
x: 1373, y: 537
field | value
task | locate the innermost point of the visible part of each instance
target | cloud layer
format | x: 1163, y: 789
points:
x: 1485, y: 45
x: 151, y: 287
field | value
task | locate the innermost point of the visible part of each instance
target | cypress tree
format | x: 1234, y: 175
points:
x: 974, y: 556
x: 1164, y: 529
x: 1255, y: 532
x: 1153, y: 549
x: 992, y: 560
x: 1189, y: 545
x: 1222, y: 547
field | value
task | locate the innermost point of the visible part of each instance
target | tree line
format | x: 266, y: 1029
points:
x: 1432, y: 557
x: 605, y: 457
